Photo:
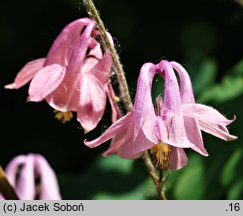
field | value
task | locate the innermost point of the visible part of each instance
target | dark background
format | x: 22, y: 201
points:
x: 205, y: 36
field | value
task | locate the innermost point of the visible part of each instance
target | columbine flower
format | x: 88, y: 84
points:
x: 176, y: 126
x: 33, y: 178
x: 73, y: 76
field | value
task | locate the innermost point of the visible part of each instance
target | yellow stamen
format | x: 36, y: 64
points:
x: 63, y: 116
x: 117, y: 99
x: 161, y: 156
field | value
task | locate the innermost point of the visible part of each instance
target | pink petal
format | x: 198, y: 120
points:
x: 186, y: 90
x: 115, y: 129
x: 26, y: 74
x: 205, y: 114
x: 89, y: 64
x: 120, y: 139
x: 110, y: 38
x: 123, y: 144
x: 194, y: 135
x: 156, y: 131
x: 26, y: 181
x: 210, y: 120
x: 216, y: 130
x: 173, y: 108
x: 96, y: 64
x: 178, y: 158
x: 102, y: 69
x: 45, y: 81
x: 93, y: 56
x: 191, y: 125
x: 12, y: 169
x: 64, y: 44
x: 143, y: 106
x: 49, y: 189
x: 60, y: 100
x: 133, y: 150
x: 66, y: 96
x: 95, y: 49
x: 116, y: 114
x: 97, y: 33
x: 92, y: 103
x: 143, y: 109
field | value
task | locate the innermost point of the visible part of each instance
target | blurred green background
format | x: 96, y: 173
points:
x: 206, y: 37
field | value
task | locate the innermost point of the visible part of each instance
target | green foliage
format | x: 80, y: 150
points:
x: 230, y: 87
x: 236, y: 191
x: 230, y: 169
x: 204, y: 75
x: 109, y: 178
x: 232, y: 174
x: 190, y: 182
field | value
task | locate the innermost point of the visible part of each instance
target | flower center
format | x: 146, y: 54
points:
x: 161, y: 156
x: 63, y: 116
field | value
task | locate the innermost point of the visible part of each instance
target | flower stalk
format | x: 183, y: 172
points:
x: 6, y: 189
x: 124, y: 91
x: 158, y: 181
x: 123, y: 87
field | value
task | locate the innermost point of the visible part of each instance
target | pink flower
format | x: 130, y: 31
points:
x: 33, y: 178
x: 177, y: 125
x: 73, y: 76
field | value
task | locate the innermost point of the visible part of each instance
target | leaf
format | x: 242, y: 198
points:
x: 109, y: 178
x: 230, y: 88
x: 190, y: 184
x: 204, y: 75
x: 236, y: 191
x: 238, y: 68
x: 142, y: 191
x: 230, y: 169
x: 115, y: 163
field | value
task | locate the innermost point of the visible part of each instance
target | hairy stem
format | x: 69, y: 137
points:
x: 125, y: 96
x: 124, y: 91
x: 6, y: 189
x: 158, y: 181
x: 162, y: 180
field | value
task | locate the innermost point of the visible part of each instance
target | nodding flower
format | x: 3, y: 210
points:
x: 74, y: 76
x: 33, y: 178
x: 176, y: 124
